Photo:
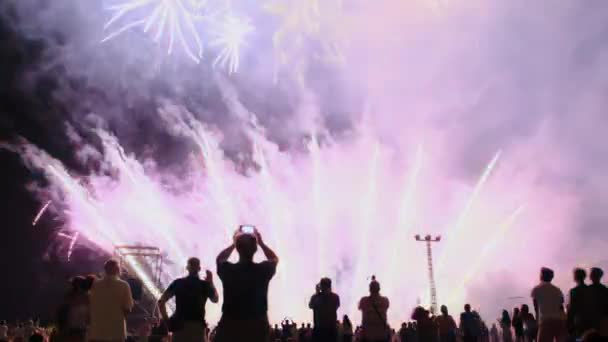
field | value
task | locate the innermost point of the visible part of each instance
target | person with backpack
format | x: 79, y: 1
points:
x: 374, y: 315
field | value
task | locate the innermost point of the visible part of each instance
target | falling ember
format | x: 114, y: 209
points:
x: 40, y: 213
x: 72, y: 244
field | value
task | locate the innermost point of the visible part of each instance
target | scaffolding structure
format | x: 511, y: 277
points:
x: 428, y: 240
x: 151, y: 254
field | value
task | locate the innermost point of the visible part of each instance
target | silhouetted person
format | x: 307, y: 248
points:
x: 530, y: 324
x: 446, y: 325
x: 578, y: 306
x: 403, y: 333
x: 348, y: 330
x: 494, y: 333
x: 505, y: 326
x: 325, y: 305
x: 74, y: 311
x: 191, y: 294
x: 426, y: 330
x: 598, y: 302
x: 245, y: 283
x: 110, y: 302
x: 469, y: 325
x: 3, y: 331
x: 373, y: 314
x: 518, y: 325
x: 549, y: 307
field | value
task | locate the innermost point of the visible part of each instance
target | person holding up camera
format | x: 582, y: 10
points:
x: 324, y: 304
x: 245, y: 283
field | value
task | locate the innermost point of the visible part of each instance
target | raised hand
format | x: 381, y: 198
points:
x: 209, y: 276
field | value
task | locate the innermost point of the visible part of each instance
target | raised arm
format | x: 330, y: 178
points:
x: 213, y: 296
x: 225, y: 254
x: 268, y: 253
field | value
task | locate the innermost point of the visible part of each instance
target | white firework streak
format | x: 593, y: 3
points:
x: 40, y: 213
x: 171, y: 16
x: 230, y: 36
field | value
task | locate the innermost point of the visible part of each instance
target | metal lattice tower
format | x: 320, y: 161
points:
x: 428, y: 240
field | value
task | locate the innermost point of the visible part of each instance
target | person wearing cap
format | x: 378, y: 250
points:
x: 245, y: 284
x: 324, y: 304
x: 549, y: 307
x: 374, y: 314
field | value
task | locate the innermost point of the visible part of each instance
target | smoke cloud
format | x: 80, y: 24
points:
x: 450, y: 82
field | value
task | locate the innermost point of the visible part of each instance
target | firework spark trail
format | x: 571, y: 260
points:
x: 462, y: 219
x: 72, y: 244
x: 230, y: 36
x: 212, y: 163
x: 319, y: 205
x: 403, y: 225
x: 102, y: 228
x: 171, y: 15
x: 302, y: 20
x: 40, y: 213
x: 152, y: 208
x: 368, y: 207
x: 208, y: 145
x: 278, y: 222
x: 487, y: 248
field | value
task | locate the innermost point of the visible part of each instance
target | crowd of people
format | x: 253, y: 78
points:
x: 96, y: 310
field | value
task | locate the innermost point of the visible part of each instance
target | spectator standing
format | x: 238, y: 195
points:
x: 191, y: 294
x: 446, y: 325
x: 374, y: 315
x: 505, y: 326
x: 325, y: 305
x: 549, y: 307
x: 3, y: 331
x: 530, y: 325
x: 469, y: 325
x: 494, y: 333
x: 245, y: 283
x: 578, y: 306
x: 110, y: 302
x: 425, y: 328
x: 74, y: 312
x: 403, y: 332
x: 518, y: 325
x: 598, y: 302
x: 347, y: 327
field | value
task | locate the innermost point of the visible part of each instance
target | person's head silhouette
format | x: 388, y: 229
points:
x: 374, y: 287
x: 325, y: 285
x: 579, y: 275
x: 546, y: 274
x: 596, y: 275
x: 193, y: 266
x: 525, y: 309
x: 505, y: 316
x: 467, y: 307
x: 444, y: 310
x: 246, y: 246
x: 111, y: 268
